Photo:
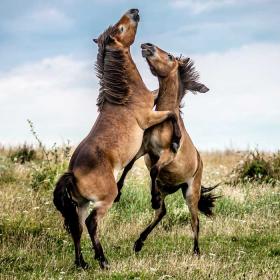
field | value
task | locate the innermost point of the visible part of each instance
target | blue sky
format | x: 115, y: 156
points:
x: 47, y: 74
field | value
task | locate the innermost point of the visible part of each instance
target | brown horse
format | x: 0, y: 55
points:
x: 171, y: 172
x: 125, y: 106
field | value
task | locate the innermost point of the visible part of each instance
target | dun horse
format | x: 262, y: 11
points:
x: 171, y: 172
x: 125, y: 106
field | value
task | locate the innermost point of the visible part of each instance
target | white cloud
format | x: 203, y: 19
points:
x: 38, y: 20
x: 59, y: 95
x: 200, y: 6
x: 50, y: 15
x: 242, y: 107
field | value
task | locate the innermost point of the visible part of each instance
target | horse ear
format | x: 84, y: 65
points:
x: 95, y: 40
x: 195, y: 86
x: 183, y: 60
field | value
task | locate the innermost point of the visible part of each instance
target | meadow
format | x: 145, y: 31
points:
x: 242, y: 240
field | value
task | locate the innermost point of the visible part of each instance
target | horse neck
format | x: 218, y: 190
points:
x: 134, y: 78
x: 168, y: 93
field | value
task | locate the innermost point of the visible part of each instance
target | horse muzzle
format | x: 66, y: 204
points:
x: 148, y: 49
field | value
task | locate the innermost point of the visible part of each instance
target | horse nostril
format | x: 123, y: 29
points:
x: 149, y: 44
x: 133, y: 11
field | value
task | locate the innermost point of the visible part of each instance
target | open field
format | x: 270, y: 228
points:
x: 242, y: 241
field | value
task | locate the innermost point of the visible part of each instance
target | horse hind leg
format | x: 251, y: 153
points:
x: 92, y: 221
x: 159, y: 214
x: 92, y: 226
x: 76, y: 232
x: 192, y: 196
x: 70, y: 210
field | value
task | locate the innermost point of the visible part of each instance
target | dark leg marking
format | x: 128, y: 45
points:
x: 91, y: 223
x: 156, y: 200
x: 196, y: 250
x: 76, y: 233
x: 121, y: 180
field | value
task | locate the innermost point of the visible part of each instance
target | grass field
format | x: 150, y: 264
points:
x: 242, y: 241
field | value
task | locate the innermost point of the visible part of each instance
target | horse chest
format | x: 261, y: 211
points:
x: 173, y: 174
x: 160, y: 140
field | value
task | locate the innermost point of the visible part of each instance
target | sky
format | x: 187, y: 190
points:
x: 47, y: 67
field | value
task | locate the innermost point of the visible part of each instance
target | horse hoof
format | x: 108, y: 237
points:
x: 196, y: 253
x: 104, y: 264
x: 81, y: 264
x: 138, y: 246
x: 85, y: 265
x: 117, y: 199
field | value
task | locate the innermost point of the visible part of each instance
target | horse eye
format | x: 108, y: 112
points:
x: 170, y: 56
x: 121, y: 29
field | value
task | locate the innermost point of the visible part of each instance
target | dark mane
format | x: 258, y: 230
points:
x: 188, y: 75
x: 111, y: 70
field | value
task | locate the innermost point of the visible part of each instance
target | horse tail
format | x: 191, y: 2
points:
x: 63, y: 201
x: 207, y: 200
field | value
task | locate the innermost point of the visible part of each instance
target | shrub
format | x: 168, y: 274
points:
x: 22, y: 154
x: 276, y: 165
x: 257, y: 167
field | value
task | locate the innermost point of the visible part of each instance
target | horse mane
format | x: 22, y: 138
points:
x: 187, y: 74
x: 111, y: 70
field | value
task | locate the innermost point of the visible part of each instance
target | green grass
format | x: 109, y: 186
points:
x: 242, y: 241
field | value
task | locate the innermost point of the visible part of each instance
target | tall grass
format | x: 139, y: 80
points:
x: 240, y: 242
x: 54, y: 161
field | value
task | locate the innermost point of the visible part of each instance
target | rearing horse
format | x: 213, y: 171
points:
x: 125, y: 106
x: 183, y: 170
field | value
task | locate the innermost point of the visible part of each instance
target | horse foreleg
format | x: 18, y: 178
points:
x: 157, y: 117
x: 165, y: 158
x: 126, y: 170
x: 121, y: 180
x: 155, y: 196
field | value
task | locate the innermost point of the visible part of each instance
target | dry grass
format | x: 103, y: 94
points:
x: 240, y: 242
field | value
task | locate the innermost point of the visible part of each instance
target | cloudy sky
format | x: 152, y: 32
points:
x: 47, y: 66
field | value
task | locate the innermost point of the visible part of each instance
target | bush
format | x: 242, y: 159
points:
x: 257, y: 167
x: 276, y: 164
x: 22, y: 154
